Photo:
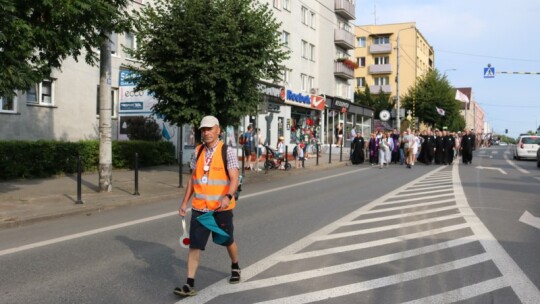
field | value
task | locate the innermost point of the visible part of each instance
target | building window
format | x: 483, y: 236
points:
x: 361, y: 61
x: 304, y: 49
x: 381, y: 40
x: 285, y: 38
x: 287, y: 5
x: 9, y: 104
x: 286, y: 76
x: 382, y: 81
x: 114, y: 102
x: 304, y: 82
x: 361, y: 42
x: 360, y: 82
x: 311, y: 52
x: 308, y: 17
x: 277, y: 4
x: 41, y: 93
x: 113, y: 42
x: 382, y: 60
x: 311, y: 82
x: 130, y: 42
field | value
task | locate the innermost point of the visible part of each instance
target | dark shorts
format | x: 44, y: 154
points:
x: 247, y: 150
x: 198, y: 234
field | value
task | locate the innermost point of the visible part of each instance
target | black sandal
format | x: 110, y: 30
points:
x: 235, y: 276
x: 185, y: 291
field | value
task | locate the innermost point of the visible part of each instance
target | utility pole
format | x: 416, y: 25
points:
x: 105, y: 129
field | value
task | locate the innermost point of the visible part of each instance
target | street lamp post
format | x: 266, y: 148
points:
x: 398, y: 105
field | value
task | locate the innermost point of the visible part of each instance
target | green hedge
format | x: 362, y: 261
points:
x: 33, y: 159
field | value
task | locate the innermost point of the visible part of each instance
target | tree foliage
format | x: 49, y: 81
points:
x: 378, y: 102
x: 37, y: 35
x: 433, y: 91
x: 143, y: 128
x: 205, y: 57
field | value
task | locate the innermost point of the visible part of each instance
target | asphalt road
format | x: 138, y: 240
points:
x: 347, y: 235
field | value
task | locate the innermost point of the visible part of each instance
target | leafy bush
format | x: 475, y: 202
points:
x: 143, y: 128
x: 33, y: 159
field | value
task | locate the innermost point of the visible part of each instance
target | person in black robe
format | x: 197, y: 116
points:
x: 467, y: 147
x: 449, y: 145
x: 357, y: 147
x: 422, y: 148
x: 439, y: 148
x: 430, y: 147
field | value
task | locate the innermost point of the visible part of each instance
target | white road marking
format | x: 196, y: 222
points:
x: 515, y: 166
x: 416, y: 199
x: 386, y: 228
x: 397, y: 216
x: 309, y: 274
x: 425, y: 191
x: 379, y: 210
x: 463, y: 293
x: 495, y: 152
x: 521, y: 284
x: 414, y: 189
x: 391, y: 240
x: 381, y: 282
x: 537, y: 178
x: 152, y: 218
x: 491, y: 168
x: 530, y: 219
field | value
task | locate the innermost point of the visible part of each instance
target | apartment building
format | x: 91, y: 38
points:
x: 390, y: 57
x: 315, y: 94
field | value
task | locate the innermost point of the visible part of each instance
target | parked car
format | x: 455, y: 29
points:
x: 527, y: 147
x: 538, y: 158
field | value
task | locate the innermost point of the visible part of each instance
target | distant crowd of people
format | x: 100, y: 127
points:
x: 438, y: 147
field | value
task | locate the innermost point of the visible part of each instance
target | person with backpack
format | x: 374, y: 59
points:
x: 248, y: 146
x: 213, y: 185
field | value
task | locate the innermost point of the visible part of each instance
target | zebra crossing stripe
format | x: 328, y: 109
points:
x: 379, y: 210
x: 381, y: 282
x: 397, y: 216
x: 423, y: 188
x: 408, y: 200
x: 387, y: 241
x: 310, y: 274
x: 385, y: 228
x: 463, y: 293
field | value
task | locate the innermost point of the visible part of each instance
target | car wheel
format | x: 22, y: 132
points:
x: 538, y: 163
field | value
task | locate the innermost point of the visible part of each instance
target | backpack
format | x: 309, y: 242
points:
x: 295, y: 151
x: 225, y: 163
x: 242, y: 140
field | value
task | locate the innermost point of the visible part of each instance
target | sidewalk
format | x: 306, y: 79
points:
x: 26, y: 201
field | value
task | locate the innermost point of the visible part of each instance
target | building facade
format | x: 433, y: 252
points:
x: 319, y: 34
x: 390, y: 57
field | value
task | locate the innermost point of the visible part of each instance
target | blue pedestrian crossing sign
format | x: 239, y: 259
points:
x: 489, y: 72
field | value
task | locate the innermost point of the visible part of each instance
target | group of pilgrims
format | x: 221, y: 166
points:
x: 440, y: 147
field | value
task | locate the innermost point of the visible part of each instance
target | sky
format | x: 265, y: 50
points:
x: 466, y: 36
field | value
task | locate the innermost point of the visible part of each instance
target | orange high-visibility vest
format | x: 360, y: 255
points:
x: 208, y: 195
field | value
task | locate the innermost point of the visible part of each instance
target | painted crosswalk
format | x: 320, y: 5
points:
x: 421, y: 243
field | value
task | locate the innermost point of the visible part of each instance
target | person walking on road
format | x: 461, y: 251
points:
x: 248, y: 147
x: 212, y: 186
x: 467, y: 146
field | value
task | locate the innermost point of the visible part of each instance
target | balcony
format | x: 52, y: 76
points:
x: 345, y: 9
x: 380, y: 48
x: 343, y: 71
x: 376, y: 89
x: 380, y: 69
x: 344, y: 39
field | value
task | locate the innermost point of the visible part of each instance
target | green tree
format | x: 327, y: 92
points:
x: 205, y: 57
x: 143, y: 128
x: 378, y: 102
x: 433, y: 91
x: 36, y: 36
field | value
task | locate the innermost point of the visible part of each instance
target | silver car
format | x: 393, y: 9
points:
x: 527, y: 147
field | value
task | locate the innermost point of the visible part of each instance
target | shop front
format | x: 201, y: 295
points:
x: 341, y: 113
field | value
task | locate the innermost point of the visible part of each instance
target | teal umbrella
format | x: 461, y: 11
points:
x: 219, y: 236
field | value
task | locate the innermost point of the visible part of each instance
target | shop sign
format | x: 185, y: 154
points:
x: 306, y: 101
x: 343, y: 106
x: 317, y: 102
x: 269, y: 90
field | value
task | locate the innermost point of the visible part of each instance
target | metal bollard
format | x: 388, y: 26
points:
x: 243, y: 161
x: 341, y: 152
x: 286, y: 156
x: 330, y: 153
x: 180, y: 157
x: 317, y: 147
x: 136, y: 174
x: 266, y: 167
x: 79, y: 180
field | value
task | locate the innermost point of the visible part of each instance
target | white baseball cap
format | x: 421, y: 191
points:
x: 209, y: 122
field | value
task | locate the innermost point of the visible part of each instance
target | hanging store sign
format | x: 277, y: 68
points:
x: 301, y: 100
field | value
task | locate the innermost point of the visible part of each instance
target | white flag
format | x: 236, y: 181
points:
x: 440, y: 111
x: 461, y: 97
